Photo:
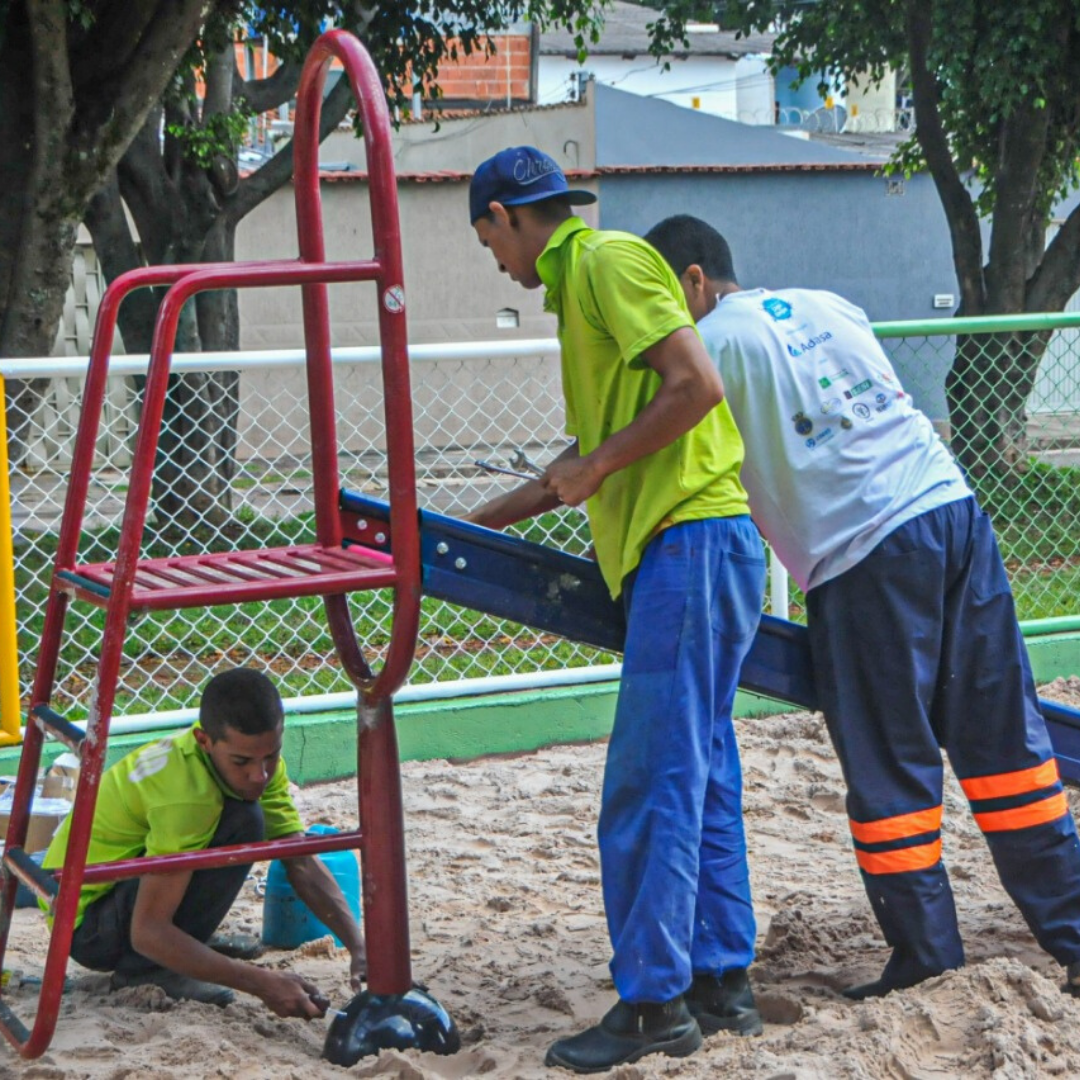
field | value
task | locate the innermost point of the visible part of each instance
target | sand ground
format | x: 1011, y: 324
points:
x: 508, y: 933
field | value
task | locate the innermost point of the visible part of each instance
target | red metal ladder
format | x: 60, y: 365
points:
x: 325, y: 567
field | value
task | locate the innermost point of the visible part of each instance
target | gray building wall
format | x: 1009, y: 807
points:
x: 453, y: 289
x: 843, y: 231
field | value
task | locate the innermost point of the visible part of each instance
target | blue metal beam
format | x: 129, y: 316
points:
x: 549, y: 590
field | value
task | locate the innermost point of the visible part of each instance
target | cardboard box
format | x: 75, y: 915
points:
x: 57, y: 786
x: 65, y: 765
x: 45, y: 818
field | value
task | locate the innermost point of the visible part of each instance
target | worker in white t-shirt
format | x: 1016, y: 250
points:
x: 912, y: 628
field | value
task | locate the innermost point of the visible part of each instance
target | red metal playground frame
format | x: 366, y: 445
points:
x: 324, y: 567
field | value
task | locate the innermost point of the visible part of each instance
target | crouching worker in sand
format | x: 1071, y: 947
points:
x: 221, y: 782
x: 911, y: 621
x: 656, y: 458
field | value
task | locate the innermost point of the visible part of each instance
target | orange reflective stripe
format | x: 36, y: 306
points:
x: 1023, y: 817
x: 897, y: 828
x: 1011, y: 783
x: 896, y: 862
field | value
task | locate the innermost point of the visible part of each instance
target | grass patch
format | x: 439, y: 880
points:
x: 1036, y: 515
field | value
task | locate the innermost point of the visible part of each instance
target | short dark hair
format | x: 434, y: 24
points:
x: 684, y: 240
x: 241, y: 699
x: 551, y: 211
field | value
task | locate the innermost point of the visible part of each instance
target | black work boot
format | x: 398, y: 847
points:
x: 901, y: 972
x: 724, y: 1004
x: 627, y: 1033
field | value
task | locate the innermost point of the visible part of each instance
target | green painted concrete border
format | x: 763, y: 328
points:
x: 321, y: 746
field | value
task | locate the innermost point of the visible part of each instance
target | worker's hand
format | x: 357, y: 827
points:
x: 358, y: 968
x: 572, y: 479
x: 286, y: 994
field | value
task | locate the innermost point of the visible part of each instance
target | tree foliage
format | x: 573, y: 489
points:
x: 997, y: 107
x: 79, y: 80
x: 997, y: 112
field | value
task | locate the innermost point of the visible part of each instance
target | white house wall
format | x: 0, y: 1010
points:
x: 755, y: 93
x: 871, y: 107
x: 713, y: 81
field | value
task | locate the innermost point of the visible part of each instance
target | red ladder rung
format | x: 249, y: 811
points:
x: 238, y: 576
x: 262, y: 851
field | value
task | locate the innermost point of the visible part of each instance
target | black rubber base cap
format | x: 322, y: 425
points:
x: 374, y: 1022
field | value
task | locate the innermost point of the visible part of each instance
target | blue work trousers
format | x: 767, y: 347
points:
x: 917, y: 649
x: 672, y: 849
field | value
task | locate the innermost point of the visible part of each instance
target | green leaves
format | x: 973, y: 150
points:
x: 220, y: 133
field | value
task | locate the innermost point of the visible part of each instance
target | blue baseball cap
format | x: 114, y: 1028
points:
x: 519, y: 175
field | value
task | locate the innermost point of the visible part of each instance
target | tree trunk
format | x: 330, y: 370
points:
x: 69, y: 100
x: 219, y: 328
x: 40, y: 270
x: 193, y: 466
x: 987, y: 390
x: 196, y: 453
x: 37, y: 241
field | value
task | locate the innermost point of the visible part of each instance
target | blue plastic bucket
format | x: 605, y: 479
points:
x: 287, y: 920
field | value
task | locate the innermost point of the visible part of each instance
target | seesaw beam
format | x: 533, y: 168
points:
x: 549, y: 590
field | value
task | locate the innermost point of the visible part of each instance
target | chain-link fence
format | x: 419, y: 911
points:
x: 469, y: 403
x: 1005, y: 395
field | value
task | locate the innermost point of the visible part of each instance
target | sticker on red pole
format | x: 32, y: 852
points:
x: 394, y: 299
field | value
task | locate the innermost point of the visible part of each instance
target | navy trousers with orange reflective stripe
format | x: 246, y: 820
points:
x: 917, y: 649
x: 672, y: 849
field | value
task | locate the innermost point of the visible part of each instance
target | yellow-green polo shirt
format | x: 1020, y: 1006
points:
x: 164, y: 798
x: 615, y: 296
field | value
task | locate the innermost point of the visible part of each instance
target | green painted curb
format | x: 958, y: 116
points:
x: 321, y: 746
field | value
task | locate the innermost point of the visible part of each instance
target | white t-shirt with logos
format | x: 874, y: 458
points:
x: 837, y: 456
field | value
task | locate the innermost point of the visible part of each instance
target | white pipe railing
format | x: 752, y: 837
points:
x: 74, y: 367
x: 140, y: 723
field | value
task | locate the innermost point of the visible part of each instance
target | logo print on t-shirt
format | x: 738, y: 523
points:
x: 777, y: 309
x: 858, y: 388
x: 827, y: 380
x: 803, y: 424
x: 823, y: 436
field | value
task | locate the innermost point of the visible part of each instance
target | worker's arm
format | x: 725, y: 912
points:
x: 525, y: 501
x: 315, y: 885
x: 690, y: 388
x: 158, y: 938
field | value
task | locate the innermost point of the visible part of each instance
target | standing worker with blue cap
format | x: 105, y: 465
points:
x: 655, y: 456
